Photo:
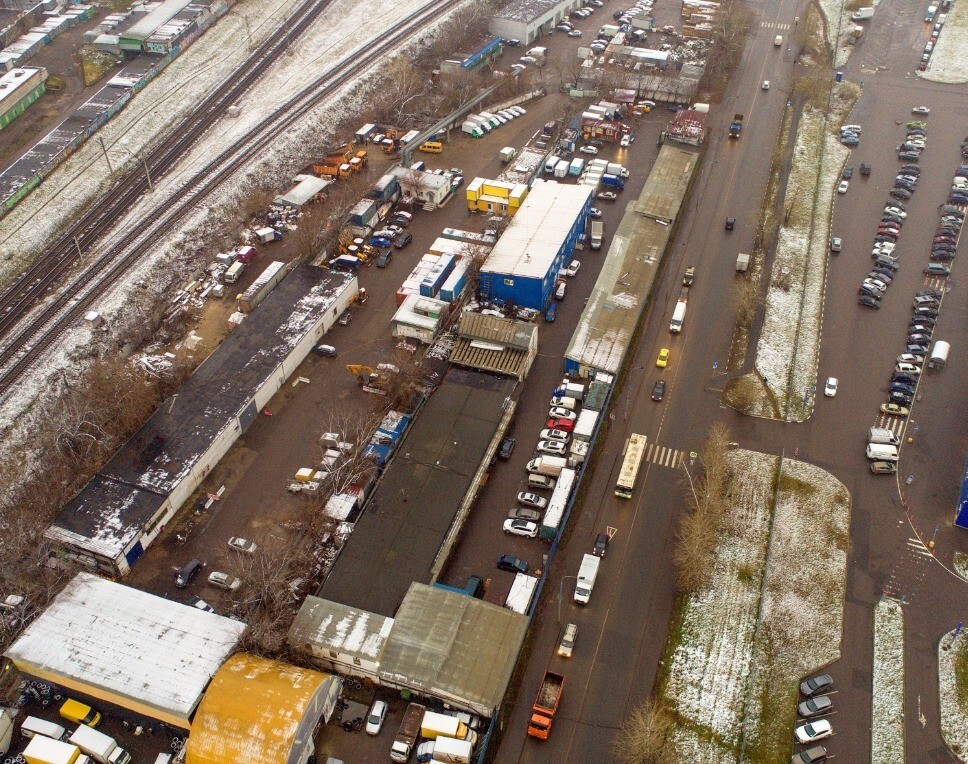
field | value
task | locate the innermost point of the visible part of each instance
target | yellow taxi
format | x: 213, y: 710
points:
x: 663, y: 360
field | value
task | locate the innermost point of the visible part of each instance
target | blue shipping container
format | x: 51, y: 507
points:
x: 430, y: 286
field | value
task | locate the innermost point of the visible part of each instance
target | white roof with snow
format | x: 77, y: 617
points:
x: 323, y: 625
x: 117, y: 643
x: 538, y: 230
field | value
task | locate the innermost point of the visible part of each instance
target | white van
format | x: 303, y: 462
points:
x: 678, y: 316
x: 879, y: 452
x: 551, y: 164
x: 33, y: 726
x: 883, y: 436
x: 560, y: 290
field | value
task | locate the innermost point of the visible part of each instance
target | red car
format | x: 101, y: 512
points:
x: 560, y: 424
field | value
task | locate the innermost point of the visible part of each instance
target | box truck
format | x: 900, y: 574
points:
x: 678, y: 316
x: 862, y: 13
x: 883, y: 436
x: 598, y: 232
x: 449, y: 750
x: 436, y: 725
x: 45, y: 750
x: 551, y: 466
x: 878, y: 452
x: 939, y: 355
x: 508, y: 153
x: 587, y: 574
x: 100, y: 747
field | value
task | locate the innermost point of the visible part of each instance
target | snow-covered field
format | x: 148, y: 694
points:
x: 721, y: 657
x: 803, y: 606
x: 960, y: 564
x: 954, y: 713
x: 838, y: 19
x: 887, y: 722
x: 949, y: 60
x: 789, y: 344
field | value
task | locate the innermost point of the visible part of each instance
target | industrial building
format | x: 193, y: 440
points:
x: 522, y: 269
x: 420, y: 318
x: 423, y: 186
x: 306, y: 188
x: 441, y: 644
x: 19, y: 88
x: 604, y: 332
x: 496, y: 345
x: 127, y: 505
x: 495, y: 196
x: 526, y: 166
x: 132, y: 650
x: 525, y: 20
x: 260, y: 710
x: 425, y: 494
x: 483, y: 53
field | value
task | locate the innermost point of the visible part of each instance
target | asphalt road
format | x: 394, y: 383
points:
x: 623, y: 630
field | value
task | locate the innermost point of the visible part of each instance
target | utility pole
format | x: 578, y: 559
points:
x: 106, y: 157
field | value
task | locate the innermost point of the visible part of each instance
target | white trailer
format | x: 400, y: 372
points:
x: 939, y: 355
x: 587, y: 574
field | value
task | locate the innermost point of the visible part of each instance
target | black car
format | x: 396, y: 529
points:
x: 868, y: 302
x: 385, y: 258
x: 659, y: 390
x: 902, y: 399
x: 184, y: 576
x: 403, y: 240
x: 900, y: 387
x: 905, y: 379
x: 916, y: 348
x: 928, y: 293
x: 730, y: 224
x: 512, y: 564
x: 601, y: 544
x: 848, y: 172
x: 505, y: 449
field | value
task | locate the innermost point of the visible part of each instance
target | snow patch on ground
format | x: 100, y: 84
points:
x: 803, y: 606
x: 961, y: 564
x: 954, y: 713
x: 719, y: 645
x: 789, y: 344
x: 707, y: 678
x: 887, y: 722
x: 78, y: 181
x: 949, y: 60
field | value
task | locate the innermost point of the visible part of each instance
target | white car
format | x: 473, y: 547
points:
x: 376, y: 717
x: 574, y: 33
x: 812, y: 731
x: 626, y: 140
x: 588, y: 150
x: 842, y: 188
x: 528, y: 60
x: 572, y: 269
x: 521, y: 528
x: 921, y: 110
x: 765, y: 85
x: 560, y: 412
x: 224, y: 581
x: 242, y: 545
x: 554, y: 435
x: 830, y: 389
x: 532, y: 500
x: 553, y: 447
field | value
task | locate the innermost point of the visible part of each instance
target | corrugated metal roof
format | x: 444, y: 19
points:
x: 528, y: 10
x: 325, y: 625
x: 505, y: 331
x: 155, y: 19
x: 453, y: 647
x: 536, y: 234
x: 258, y: 710
x: 666, y: 185
x: 123, y: 643
x: 497, y: 345
x: 608, y: 322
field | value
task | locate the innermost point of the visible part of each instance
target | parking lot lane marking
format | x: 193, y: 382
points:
x: 917, y: 546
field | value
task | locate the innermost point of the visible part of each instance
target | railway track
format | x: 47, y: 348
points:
x: 65, y: 251
x: 32, y: 337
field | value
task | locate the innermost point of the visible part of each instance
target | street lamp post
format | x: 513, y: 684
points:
x: 561, y: 587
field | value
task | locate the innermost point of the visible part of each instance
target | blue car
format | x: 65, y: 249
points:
x: 550, y: 314
x: 383, y: 242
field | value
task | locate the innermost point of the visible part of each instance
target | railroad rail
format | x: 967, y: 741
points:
x: 31, y: 335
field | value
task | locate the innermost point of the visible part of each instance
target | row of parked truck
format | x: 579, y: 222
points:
x: 447, y: 739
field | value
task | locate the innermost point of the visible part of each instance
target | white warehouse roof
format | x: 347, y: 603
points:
x: 537, y: 232
x: 127, y: 647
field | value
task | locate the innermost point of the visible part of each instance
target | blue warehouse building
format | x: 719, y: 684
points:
x: 523, y: 266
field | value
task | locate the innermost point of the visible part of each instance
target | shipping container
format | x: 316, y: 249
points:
x: 264, y: 283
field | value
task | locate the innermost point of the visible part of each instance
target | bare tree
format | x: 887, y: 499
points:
x: 645, y: 736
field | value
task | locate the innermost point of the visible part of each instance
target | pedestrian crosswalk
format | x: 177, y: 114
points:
x: 664, y: 456
x: 774, y: 25
x: 917, y: 546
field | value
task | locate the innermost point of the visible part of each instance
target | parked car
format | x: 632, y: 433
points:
x: 325, y: 350
x: 810, y: 756
x: 830, y: 388
x: 559, y: 412
x: 553, y: 447
x: 376, y: 717
x: 532, y: 500
x: 521, y: 528
x: 882, y: 468
x: 403, y: 240
x: 224, y: 581
x: 595, y: 212
x: 549, y: 434
x: 842, y: 187
x: 512, y: 564
x: 524, y: 513
x: 848, y: 172
x: 560, y: 424
x: 815, y: 706
x: 813, y: 731
x: 385, y: 258
x: 606, y: 196
x: 836, y: 244
x: 588, y: 150
x: 816, y: 685
x: 240, y: 544
x: 199, y: 604
x: 505, y: 449
x: 868, y: 302
x: 185, y: 574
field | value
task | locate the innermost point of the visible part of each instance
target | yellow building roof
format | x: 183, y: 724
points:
x: 258, y: 710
